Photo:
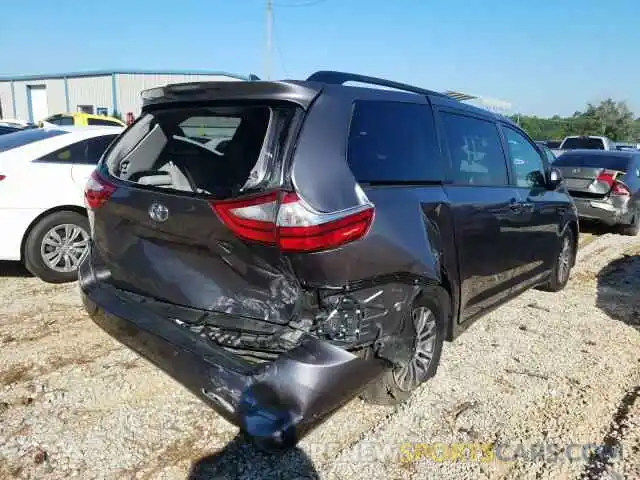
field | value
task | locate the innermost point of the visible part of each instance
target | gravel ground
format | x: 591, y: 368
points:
x: 545, y: 370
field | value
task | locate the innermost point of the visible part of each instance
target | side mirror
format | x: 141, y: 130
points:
x: 554, y: 178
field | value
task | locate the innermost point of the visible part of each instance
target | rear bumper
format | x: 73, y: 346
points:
x: 276, y: 403
x: 612, y: 211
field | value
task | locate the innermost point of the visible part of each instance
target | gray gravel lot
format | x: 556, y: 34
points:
x: 546, y: 369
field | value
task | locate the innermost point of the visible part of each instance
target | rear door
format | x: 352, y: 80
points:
x: 542, y: 209
x: 485, y: 208
x: 159, y: 236
x: 85, y: 164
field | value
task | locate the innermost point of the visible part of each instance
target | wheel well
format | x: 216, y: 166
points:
x: 574, y: 229
x: 445, y: 283
x: 60, y: 208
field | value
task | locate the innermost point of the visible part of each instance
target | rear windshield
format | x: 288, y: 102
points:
x: 23, y: 137
x: 215, y: 151
x: 579, y: 143
x: 610, y: 162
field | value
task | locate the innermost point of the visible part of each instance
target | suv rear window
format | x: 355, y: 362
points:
x: 393, y: 142
x: 579, y: 143
x: 216, y: 151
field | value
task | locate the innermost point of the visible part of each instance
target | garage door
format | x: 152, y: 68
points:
x: 38, y: 102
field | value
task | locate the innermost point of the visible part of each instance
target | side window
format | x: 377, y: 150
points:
x: 97, y: 146
x: 61, y: 121
x: 476, y: 152
x: 527, y: 164
x: 102, y: 121
x: 74, y: 153
x: 393, y: 142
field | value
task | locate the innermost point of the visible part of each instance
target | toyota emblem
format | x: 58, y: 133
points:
x: 158, y: 212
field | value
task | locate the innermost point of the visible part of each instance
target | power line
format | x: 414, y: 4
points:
x: 278, y: 49
x: 308, y: 3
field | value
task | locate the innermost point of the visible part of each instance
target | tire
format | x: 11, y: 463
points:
x: 633, y: 229
x: 389, y: 388
x: 561, y: 270
x: 38, y: 244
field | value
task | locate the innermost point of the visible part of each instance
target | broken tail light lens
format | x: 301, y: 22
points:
x: 620, y: 189
x: 301, y: 229
x: 287, y: 221
x: 97, y: 191
x: 609, y: 178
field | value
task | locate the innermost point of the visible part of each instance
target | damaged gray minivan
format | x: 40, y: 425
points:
x: 282, y: 247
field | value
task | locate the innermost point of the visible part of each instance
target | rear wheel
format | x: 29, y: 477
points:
x: 634, y: 228
x: 427, y: 330
x: 56, y: 245
x: 563, y: 263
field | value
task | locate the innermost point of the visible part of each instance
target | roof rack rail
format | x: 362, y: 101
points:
x: 339, y: 78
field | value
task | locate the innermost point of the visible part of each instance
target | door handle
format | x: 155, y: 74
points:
x: 515, y: 206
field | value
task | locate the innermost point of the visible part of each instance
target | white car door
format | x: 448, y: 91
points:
x: 95, y: 147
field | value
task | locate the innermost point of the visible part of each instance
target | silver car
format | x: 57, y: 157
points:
x: 605, y: 185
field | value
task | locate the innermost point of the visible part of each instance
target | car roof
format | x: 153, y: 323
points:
x: 85, y: 130
x: 302, y: 92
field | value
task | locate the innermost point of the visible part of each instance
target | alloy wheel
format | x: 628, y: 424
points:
x: 415, y: 371
x: 63, y: 247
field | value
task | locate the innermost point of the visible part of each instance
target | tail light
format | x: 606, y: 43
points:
x: 609, y: 178
x: 287, y: 221
x: 620, y: 189
x: 2, y: 177
x: 97, y: 191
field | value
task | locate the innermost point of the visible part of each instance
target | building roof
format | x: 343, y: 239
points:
x: 102, y: 73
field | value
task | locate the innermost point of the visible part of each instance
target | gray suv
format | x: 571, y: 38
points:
x: 282, y: 247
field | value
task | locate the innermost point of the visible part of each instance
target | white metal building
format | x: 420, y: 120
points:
x: 103, y: 92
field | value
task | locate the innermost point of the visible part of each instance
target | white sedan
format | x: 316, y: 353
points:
x: 43, y: 218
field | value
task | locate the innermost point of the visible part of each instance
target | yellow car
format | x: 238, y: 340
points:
x: 80, y: 119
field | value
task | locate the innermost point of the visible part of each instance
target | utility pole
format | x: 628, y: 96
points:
x: 267, y: 59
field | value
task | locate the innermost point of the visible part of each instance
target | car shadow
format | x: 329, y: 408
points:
x: 13, y: 269
x: 595, y: 228
x: 619, y: 290
x: 241, y: 460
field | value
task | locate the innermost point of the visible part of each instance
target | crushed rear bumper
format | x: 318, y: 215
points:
x: 611, y: 211
x: 276, y: 403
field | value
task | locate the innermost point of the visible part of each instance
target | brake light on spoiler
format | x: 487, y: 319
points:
x: 285, y: 220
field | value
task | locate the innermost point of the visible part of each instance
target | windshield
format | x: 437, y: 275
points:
x: 23, y: 137
x: 583, y: 142
x: 610, y: 162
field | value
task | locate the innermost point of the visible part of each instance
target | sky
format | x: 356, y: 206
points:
x: 545, y: 57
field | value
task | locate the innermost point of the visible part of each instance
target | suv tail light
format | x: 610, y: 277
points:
x: 97, y: 191
x: 2, y: 177
x: 287, y: 221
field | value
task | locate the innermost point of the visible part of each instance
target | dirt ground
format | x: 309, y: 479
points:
x: 546, y: 369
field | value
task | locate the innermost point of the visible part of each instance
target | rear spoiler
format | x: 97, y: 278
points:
x: 291, y: 90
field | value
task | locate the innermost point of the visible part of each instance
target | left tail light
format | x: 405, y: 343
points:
x: 97, y: 191
x: 2, y: 177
